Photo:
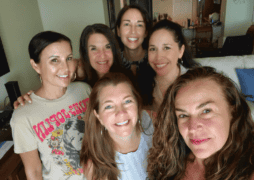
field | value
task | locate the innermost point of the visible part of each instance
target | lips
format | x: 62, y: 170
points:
x: 160, y: 65
x: 133, y: 39
x: 102, y: 62
x: 123, y: 123
x: 199, y: 141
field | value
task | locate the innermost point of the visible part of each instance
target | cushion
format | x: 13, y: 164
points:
x: 246, y: 79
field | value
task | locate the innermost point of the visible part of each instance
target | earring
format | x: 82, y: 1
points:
x: 102, y: 130
x: 40, y: 78
x: 73, y: 79
x: 180, y: 61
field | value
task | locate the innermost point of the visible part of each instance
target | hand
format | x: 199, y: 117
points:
x: 21, y: 100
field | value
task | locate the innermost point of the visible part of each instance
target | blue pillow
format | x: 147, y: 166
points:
x: 246, y: 79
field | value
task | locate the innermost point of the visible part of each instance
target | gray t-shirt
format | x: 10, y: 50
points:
x: 56, y: 129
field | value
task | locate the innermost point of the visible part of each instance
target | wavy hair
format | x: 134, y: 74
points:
x: 146, y: 18
x: 234, y: 161
x: 90, y: 74
x: 146, y: 75
x: 97, y: 144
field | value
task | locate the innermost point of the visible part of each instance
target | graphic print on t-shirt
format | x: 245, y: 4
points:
x: 63, y: 132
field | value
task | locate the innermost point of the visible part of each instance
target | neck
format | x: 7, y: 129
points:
x: 170, y: 77
x: 134, y: 54
x: 165, y: 81
x: 50, y: 93
x: 129, y: 144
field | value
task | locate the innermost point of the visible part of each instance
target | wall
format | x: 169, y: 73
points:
x: 71, y: 17
x: 19, y: 22
x: 178, y: 10
x: 238, y: 17
x: 163, y: 7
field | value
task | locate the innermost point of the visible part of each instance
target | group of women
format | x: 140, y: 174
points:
x: 145, y: 111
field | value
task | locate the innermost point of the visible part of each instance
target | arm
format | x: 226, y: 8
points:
x: 21, y: 100
x: 32, y: 164
x: 88, y: 170
x: 80, y: 70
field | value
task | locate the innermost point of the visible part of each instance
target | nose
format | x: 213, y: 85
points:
x: 120, y: 110
x: 194, y: 124
x: 133, y: 29
x: 103, y: 55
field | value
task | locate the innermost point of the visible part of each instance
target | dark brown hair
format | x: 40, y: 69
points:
x: 146, y: 18
x: 168, y: 156
x: 97, y: 144
x: 90, y: 73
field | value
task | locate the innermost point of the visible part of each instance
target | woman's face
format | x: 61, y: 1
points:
x: 56, y: 67
x: 118, y: 110
x: 132, y: 30
x: 164, y: 52
x: 100, y: 53
x: 203, y: 117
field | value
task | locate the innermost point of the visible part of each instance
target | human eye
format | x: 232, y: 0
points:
x: 151, y: 49
x: 69, y: 58
x: 167, y: 48
x: 206, y: 111
x: 126, y: 24
x: 108, y: 107
x: 181, y: 116
x: 54, y: 60
x: 108, y: 46
x: 140, y: 25
x: 128, y: 101
x: 92, y: 48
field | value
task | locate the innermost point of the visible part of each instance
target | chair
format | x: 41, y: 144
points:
x: 203, y: 40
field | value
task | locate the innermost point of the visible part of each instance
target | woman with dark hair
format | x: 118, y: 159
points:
x: 132, y: 26
x: 114, y: 146
x: 99, y: 54
x: 204, y: 130
x: 99, y: 51
x: 168, y: 57
x: 39, y: 130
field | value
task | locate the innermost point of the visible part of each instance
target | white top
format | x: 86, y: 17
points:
x: 134, y: 164
x: 56, y: 129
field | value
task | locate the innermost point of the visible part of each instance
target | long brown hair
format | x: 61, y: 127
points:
x: 97, y: 144
x: 235, y: 161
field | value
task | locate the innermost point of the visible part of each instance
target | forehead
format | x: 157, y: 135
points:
x: 162, y: 35
x: 57, y: 48
x: 97, y: 38
x: 199, y: 91
x: 132, y: 13
x: 114, y: 91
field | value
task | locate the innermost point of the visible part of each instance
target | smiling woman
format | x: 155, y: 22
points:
x: 48, y: 133
x: 204, y: 130
x: 114, y: 140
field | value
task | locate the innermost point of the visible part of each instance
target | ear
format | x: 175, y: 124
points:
x: 97, y: 116
x: 118, y: 32
x: 182, y: 49
x: 35, y: 66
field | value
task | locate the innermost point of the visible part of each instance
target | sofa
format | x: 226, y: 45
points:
x: 228, y: 65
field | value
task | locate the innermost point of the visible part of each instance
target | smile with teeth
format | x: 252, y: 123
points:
x: 133, y: 39
x: 122, y: 123
x: 160, y: 65
x: 62, y: 76
x: 102, y: 62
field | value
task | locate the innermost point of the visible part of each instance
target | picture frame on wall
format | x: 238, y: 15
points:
x: 4, y: 67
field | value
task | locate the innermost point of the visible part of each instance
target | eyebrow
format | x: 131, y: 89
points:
x: 137, y: 21
x: 108, y: 101
x: 198, y: 107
